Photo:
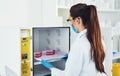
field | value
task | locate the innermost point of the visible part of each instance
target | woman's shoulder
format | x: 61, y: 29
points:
x: 82, y: 44
x: 83, y: 41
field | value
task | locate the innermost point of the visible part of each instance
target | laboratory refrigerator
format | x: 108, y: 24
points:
x: 50, y: 39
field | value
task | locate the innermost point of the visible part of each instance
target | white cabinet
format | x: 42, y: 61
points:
x: 10, y: 51
x: 101, y: 4
x: 107, y: 15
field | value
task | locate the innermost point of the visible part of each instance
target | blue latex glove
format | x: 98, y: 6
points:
x: 65, y: 58
x: 46, y: 64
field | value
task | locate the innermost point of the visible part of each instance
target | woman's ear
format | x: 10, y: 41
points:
x: 78, y: 20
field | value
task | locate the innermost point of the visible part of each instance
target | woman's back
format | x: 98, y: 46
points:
x: 80, y: 54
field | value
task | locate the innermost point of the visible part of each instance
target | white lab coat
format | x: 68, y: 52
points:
x: 79, y: 62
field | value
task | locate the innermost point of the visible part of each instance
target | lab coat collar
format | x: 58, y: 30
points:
x: 80, y: 34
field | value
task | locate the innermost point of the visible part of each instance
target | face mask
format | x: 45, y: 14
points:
x: 73, y: 28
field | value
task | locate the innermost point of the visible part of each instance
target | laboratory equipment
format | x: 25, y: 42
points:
x: 50, y: 52
x: 49, y: 44
x: 25, y: 53
x: 116, y: 69
x: 38, y: 54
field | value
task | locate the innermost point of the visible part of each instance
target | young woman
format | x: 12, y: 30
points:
x: 87, y: 53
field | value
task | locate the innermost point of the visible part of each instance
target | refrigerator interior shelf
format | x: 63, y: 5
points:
x: 50, y: 58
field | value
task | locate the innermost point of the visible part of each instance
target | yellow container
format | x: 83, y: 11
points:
x: 116, y: 69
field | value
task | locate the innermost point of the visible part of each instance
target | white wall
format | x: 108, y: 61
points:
x: 35, y: 12
x: 29, y: 13
x: 13, y: 12
x: 21, y: 13
x: 44, y: 13
x: 50, y: 13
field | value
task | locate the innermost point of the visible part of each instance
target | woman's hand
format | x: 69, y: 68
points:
x: 46, y: 64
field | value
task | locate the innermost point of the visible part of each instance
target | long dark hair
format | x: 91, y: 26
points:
x: 88, y: 13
